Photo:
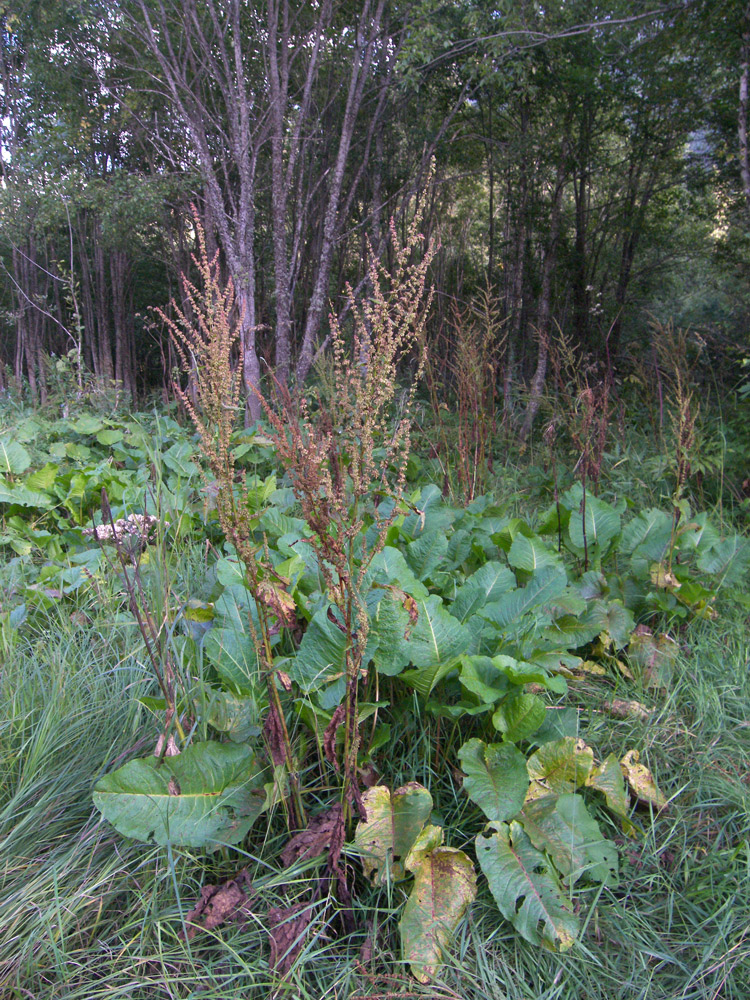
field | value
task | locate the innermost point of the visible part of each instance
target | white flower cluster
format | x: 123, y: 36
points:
x: 140, y: 525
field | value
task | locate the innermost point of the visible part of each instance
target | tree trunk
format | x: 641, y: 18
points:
x: 742, y: 116
x: 545, y: 303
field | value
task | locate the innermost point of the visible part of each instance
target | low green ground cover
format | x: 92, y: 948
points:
x: 534, y: 622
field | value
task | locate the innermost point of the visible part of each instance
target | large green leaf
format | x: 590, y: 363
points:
x: 436, y: 636
x: 531, y: 554
x: 321, y: 657
x: 649, y: 533
x: 426, y: 553
x: 486, y: 585
x: 541, y: 589
x: 394, y: 821
x: 233, y: 654
x: 13, y: 457
x: 496, y: 778
x: 211, y: 793
x: 388, y: 626
x: 518, y: 717
x: 729, y: 558
x: 595, y: 529
x: 525, y: 888
x: 563, y: 827
x: 444, y: 886
x: 481, y: 676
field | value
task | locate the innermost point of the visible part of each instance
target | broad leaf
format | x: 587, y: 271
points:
x: 517, y: 718
x: 641, y: 781
x: 597, y: 527
x: 436, y: 636
x: 481, y: 676
x: 209, y: 794
x: 394, y: 821
x: 541, y: 589
x: 321, y: 657
x: 531, y: 554
x: 563, y: 827
x: 232, y: 652
x: 607, y: 778
x: 496, y: 778
x: 649, y: 533
x: 426, y: 553
x: 561, y: 766
x: 525, y: 888
x: 444, y: 887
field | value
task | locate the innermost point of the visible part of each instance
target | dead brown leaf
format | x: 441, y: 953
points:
x: 219, y: 904
x: 278, y: 601
x: 286, y: 935
x: 273, y: 731
x: 329, y: 736
x: 325, y: 831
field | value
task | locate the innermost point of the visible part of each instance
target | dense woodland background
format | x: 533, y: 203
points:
x: 589, y: 171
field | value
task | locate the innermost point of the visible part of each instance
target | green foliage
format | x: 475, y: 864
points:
x: 211, y: 793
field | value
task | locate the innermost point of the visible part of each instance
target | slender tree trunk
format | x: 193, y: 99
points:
x: 742, y: 116
x: 368, y: 30
x: 545, y: 304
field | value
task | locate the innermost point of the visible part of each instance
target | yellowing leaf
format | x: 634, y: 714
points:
x: 444, y: 885
x: 394, y: 821
x: 641, y: 781
x: 561, y: 765
x: 661, y: 577
x: 607, y: 778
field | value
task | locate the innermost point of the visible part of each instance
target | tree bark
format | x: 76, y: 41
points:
x: 742, y: 115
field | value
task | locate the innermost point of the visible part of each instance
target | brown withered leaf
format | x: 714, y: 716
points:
x: 329, y: 736
x: 219, y: 904
x: 173, y: 787
x: 286, y: 935
x: 284, y: 679
x: 278, y: 601
x: 325, y: 832
x: 274, y: 734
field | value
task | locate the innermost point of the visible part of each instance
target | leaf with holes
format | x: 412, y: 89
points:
x: 563, y: 827
x: 525, y: 888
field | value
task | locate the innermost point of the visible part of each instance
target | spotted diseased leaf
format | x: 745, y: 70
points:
x: 496, y: 777
x: 641, y: 781
x: 525, y: 887
x: 444, y: 887
x: 563, y: 827
x: 278, y: 601
x: 561, y: 765
x: 394, y: 821
x: 607, y: 778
